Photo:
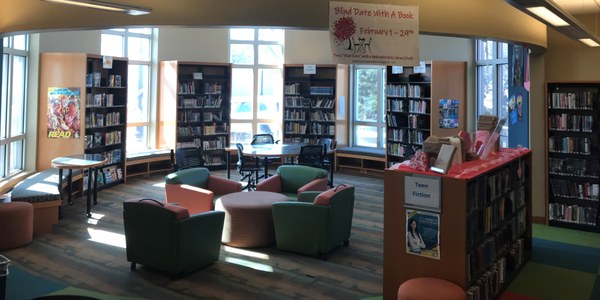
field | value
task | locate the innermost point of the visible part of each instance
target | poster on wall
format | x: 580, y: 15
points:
x: 423, y: 233
x: 375, y: 34
x: 63, y: 113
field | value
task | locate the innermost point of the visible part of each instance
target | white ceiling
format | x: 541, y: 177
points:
x: 575, y: 7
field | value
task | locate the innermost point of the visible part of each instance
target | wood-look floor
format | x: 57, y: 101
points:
x: 76, y: 253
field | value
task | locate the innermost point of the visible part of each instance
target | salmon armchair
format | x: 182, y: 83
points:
x: 195, y: 189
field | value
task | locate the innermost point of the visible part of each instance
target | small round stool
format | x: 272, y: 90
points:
x: 425, y: 288
x: 16, y: 224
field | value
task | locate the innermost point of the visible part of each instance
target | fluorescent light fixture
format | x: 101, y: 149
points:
x: 548, y: 16
x: 131, y: 10
x: 589, y: 42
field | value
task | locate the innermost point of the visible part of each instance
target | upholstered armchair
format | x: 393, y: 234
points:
x: 292, y: 180
x: 317, y: 223
x: 195, y: 189
x: 165, y: 237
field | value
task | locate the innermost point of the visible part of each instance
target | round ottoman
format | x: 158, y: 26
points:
x: 248, y: 218
x: 16, y: 224
x: 430, y: 288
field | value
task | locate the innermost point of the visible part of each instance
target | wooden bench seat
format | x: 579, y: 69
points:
x: 360, y: 159
x: 147, y: 162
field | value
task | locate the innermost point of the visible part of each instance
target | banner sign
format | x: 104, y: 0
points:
x: 375, y: 34
x: 63, y: 113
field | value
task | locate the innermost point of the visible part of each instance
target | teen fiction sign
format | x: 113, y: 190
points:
x: 375, y: 34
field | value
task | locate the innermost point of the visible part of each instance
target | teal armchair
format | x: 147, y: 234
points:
x: 317, y: 223
x: 165, y: 237
x: 292, y: 180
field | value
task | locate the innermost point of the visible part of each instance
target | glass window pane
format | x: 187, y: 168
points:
x: 485, y: 90
x: 269, y: 93
x: 4, y: 98
x: 367, y: 83
x: 137, y: 138
x: 366, y: 136
x: 138, y: 91
x: 270, y: 55
x: 241, y: 34
x: 141, y: 30
x: 503, y: 50
x: 18, y: 96
x: 16, y: 156
x: 138, y: 48
x: 241, y: 54
x: 271, y: 35
x: 5, y: 42
x: 242, y: 87
x: 20, y: 42
x: 3, y: 161
x: 112, y: 45
x: 503, y: 91
x: 241, y: 133
x: 118, y: 29
x: 485, y: 49
x: 273, y: 129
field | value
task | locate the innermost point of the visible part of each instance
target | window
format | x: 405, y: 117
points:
x: 368, y: 117
x: 136, y: 45
x: 492, y: 82
x: 257, y: 82
x: 12, y: 104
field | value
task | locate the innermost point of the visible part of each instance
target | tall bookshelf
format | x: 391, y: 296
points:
x: 106, y: 115
x: 309, y: 104
x: 573, y: 178
x: 414, y: 107
x: 194, y: 108
x: 484, y: 231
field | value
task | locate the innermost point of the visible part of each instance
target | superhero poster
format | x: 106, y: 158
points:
x: 63, y: 113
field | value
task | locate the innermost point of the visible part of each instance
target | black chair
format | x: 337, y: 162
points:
x: 266, y: 138
x: 248, y: 167
x: 328, y: 147
x: 184, y: 158
x: 311, y: 155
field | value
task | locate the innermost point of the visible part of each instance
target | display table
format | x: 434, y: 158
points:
x: 248, y: 218
x: 80, y: 161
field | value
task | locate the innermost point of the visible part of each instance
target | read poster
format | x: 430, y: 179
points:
x: 423, y: 233
x: 63, y: 113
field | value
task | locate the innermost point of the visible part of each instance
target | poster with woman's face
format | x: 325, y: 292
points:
x: 63, y: 113
x: 423, y: 233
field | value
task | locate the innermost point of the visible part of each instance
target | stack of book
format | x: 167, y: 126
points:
x: 487, y: 122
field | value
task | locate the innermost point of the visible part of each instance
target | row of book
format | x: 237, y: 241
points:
x: 485, y: 220
x: 292, y: 89
x: 218, y: 143
x: 586, y: 215
x: 573, y: 100
x: 411, y: 106
x: 95, y: 80
x: 303, y: 102
x: 216, y: 129
x: 322, y: 129
x: 401, y: 150
x: 490, y: 282
x: 93, y: 120
x: 568, y: 122
x: 574, y: 190
x: 321, y: 90
x: 409, y: 136
x: 489, y: 188
x: 213, y: 160
x: 572, y: 166
x: 415, y: 121
x: 487, y: 122
x: 572, y: 145
x: 194, y: 143
x: 189, y: 88
x: 105, y: 176
x: 322, y: 116
x: 99, y: 100
x: 196, y: 116
x: 100, y: 139
x: 407, y: 90
x: 294, y: 115
x: 295, y: 128
x: 201, y: 102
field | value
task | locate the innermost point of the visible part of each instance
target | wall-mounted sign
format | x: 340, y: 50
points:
x: 310, y: 69
x: 422, y: 192
x: 376, y: 34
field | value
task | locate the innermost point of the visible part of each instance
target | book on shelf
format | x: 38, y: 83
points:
x: 444, y: 159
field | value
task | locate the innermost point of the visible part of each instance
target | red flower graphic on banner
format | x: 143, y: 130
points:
x: 343, y: 29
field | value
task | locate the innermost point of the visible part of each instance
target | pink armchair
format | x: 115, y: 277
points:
x: 291, y: 180
x: 195, y: 189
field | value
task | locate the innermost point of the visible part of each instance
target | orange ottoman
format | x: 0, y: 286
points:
x: 16, y: 224
x: 425, y: 288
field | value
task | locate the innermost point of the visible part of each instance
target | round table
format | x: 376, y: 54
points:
x: 248, y: 218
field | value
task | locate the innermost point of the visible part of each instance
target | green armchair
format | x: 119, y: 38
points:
x: 165, y: 237
x: 317, y: 223
x: 292, y: 180
x: 196, y: 189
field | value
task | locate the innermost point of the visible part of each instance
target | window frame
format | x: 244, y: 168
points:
x: 380, y: 124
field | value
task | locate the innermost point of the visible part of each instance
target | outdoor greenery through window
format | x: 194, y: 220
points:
x: 13, y: 104
x: 257, y: 82
x: 368, y: 117
x: 492, y: 82
x: 136, y: 45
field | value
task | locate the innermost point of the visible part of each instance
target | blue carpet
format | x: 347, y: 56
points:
x: 22, y: 285
x: 568, y: 256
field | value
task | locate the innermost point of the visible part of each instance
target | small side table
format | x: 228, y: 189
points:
x: 80, y: 161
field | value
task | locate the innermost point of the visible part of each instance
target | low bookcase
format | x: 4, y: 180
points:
x: 483, y: 224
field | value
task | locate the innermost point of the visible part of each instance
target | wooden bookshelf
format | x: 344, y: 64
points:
x: 573, y: 179
x: 414, y: 107
x: 194, y: 108
x: 484, y: 224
